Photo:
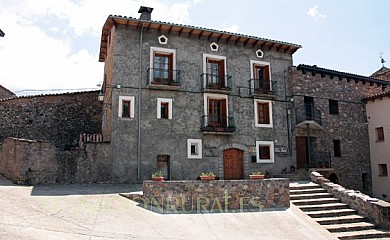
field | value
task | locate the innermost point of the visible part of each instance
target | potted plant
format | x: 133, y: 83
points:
x: 256, y: 175
x: 157, y: 176
x: 207, y: 176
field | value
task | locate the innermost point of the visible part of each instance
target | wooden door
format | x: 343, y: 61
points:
x: 301, y: 152
x: 233, y: 164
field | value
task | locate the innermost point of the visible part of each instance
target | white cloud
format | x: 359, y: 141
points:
x: 233, y: 28
x: 313, y: 12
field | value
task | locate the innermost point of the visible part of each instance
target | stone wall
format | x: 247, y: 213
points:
x: 218, y: 195
x: 349, y: 126
x: 59, y: 118
x: 376, y: 210
x: 40, y: 162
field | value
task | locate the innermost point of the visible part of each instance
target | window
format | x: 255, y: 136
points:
x: 333, y: 106
x: 194, y: 148
x: 382, y: 170
x: 265, y: 151
x: 365, y: 183
x: 336, y: 148
x: 214, y: 71
x: 260, y: 76
x: 263, y: 113
x: 380, y: 135
x: 164, y: 108
x: 126, y: 107
x: 216, y: 114
x: 162, y: 65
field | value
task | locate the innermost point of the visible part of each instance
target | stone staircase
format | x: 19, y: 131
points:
x: 330, y: 212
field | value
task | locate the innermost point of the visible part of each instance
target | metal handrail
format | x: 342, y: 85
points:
x: 308, y: 112
x: 165, y: 76
x: 261, y: 86
x: 215, y: 81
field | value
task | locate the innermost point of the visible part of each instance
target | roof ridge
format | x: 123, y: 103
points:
x: 47, y: 95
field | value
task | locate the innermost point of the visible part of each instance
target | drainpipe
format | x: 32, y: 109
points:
x: 139, y: 106
x: 288, y: 112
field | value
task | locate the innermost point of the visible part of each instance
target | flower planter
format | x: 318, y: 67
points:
x: 207, y: 178
x: 256, y: 176
x: 158, y: 178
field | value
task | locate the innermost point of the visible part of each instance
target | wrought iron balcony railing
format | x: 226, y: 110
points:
x: 215, y: 81
x: 164, y: 76
x: 321, y: 160
x: 215, y: 123
x: 259, y: 86
x: 308, y: 112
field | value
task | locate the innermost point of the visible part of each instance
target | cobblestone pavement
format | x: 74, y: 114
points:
x: 98, y: 212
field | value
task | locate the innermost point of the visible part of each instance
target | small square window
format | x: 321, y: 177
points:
x: 337, y: 148
x: 194, y: 148
x: 126, y: 107
x: 382, y: 170
x: 265, y: 151
x: 164, y: 108
x: 380, y: 135
x: 333, y: 107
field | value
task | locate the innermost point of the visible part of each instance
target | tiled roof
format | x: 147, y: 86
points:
x: 380, y: 71
x: 333, y: 73
x: 377, y: 96
x: 46, y: 95
x: 191, y: 30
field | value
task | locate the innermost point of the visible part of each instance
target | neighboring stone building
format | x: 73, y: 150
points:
x: 378, y: 116
x: 185, y: 100
x: 1, y: 33
x: 328, y: 107
x: 383, y: 74
x: 5, y: 93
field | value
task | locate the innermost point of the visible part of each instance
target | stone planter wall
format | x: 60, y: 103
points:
x: 376, y: 210
x: 217, y: 196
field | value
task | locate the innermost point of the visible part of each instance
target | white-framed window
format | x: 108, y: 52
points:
x: 263, y: 113
x: 216, y: 112
x: 265, y: 152
x: 214, y: 71
x: 126, y: 107
x: 260, y: 76
x: 164, y: 108
x: 162, y: 65
x: 194, y: 148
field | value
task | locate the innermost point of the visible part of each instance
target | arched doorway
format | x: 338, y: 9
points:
x: 233, y: 160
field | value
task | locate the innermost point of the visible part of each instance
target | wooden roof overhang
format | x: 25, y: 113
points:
x: 187, y: 30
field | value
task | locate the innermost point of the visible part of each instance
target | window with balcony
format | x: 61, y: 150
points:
x: 265, y: 151
x: 126, y: 107
x: 162, y: 68
x: 214, y: 72
x: 263, y: 113
x: 164, y: 108
x: 260, y: 77
x: 216, y: 114
x: 380, y: 134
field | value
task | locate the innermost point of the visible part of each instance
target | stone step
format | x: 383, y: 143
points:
x: 309, y: 196
x: 332, y: 213
x: 348, y: 227
x: 340, y: 219
x: 315, y: 201
x: 364, y: 234
x: 300, y: 186
x: 322, y: 207
x: 307, y: 191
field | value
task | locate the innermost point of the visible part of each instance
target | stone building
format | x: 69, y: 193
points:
x: 185, y: 100
x: 330, y: 126
x: 5, y: 93
x: 378, y: 116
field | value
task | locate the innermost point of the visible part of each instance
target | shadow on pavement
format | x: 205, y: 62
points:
x: 83, y: 189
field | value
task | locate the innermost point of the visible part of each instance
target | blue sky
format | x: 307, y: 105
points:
x: 55, y: 44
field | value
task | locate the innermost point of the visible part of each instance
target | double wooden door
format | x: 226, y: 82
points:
x: 233, y: 160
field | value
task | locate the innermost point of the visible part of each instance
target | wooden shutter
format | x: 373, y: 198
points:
x: 223, y: 112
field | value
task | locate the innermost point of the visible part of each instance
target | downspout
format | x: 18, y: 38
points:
x: 139, y: 106
x: 288, y: 113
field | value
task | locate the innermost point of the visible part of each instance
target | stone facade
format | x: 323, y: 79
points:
x: 40, y: 162
x: 348, y: 125
x: 376, y: 210
x: 217, y: 196
x: 59, y: 118
x: 5, y: 93
x: 138, y: 141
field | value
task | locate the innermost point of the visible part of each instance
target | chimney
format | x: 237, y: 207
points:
x: 146, y: 13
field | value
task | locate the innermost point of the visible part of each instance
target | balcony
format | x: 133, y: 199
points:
x: 216, y: 83
x: 259, y: 87
x: 159, y: 78
x: 321, y: 160
x: 218, y: 124
x: 308, y: 115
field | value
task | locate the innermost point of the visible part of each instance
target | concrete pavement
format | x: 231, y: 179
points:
x: 98, y: 212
